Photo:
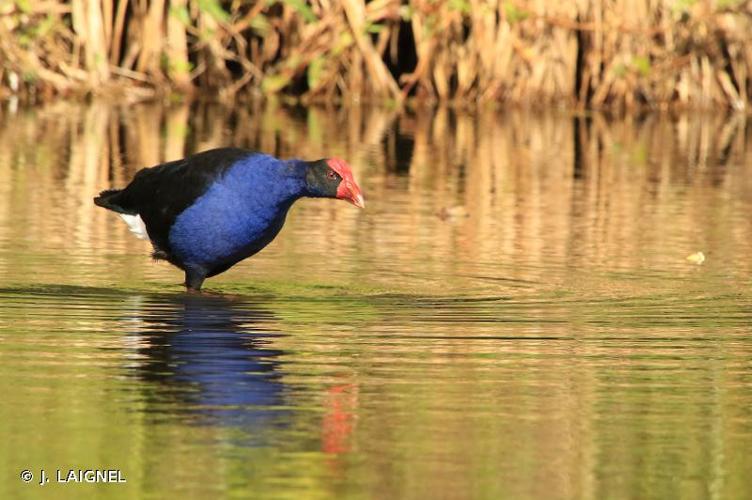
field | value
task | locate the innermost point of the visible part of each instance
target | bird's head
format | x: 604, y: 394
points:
x: 333, y: 178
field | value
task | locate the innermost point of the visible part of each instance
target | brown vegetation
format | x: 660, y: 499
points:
x: 595, y: 53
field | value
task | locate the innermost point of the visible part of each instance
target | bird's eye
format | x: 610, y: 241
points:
x: 331, y: 174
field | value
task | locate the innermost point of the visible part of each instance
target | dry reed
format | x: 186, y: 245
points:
x: 588, y: 53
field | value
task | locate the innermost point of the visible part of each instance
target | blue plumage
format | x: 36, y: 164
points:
x: 227, y: 224
x: 211, y: 210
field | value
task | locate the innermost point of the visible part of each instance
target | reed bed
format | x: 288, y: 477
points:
x: 585, y: 53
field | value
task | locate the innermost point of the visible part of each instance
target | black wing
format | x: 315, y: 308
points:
x: 160, y: 193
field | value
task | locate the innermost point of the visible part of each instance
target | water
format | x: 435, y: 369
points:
x: 512, y: 316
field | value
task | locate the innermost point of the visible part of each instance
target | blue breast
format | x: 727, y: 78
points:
x: 238, y: 215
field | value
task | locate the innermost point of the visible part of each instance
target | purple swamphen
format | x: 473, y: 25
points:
x: 207, y: 212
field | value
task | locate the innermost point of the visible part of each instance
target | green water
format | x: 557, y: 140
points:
x: 512, y: 316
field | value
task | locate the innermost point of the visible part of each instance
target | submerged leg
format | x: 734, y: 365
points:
x: 194, y: 278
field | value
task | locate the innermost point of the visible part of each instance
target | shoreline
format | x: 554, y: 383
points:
x: 118, y: 93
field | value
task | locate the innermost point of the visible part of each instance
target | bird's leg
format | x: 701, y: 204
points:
x: 194, y: 278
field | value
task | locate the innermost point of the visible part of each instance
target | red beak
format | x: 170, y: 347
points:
x: 348, y: 189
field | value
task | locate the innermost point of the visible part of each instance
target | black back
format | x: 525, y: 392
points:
x: 160, y: 193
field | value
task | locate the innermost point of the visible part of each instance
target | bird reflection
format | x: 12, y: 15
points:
x: 210, y: 358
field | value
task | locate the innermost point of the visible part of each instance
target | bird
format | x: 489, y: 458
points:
x: 209, y: 211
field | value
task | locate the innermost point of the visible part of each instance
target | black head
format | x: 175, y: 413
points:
x: 333, y: 178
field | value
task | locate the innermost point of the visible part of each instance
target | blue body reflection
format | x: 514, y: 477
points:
x: 210, y: 357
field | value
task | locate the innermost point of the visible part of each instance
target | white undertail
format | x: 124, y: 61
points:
x: 136, y: 225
